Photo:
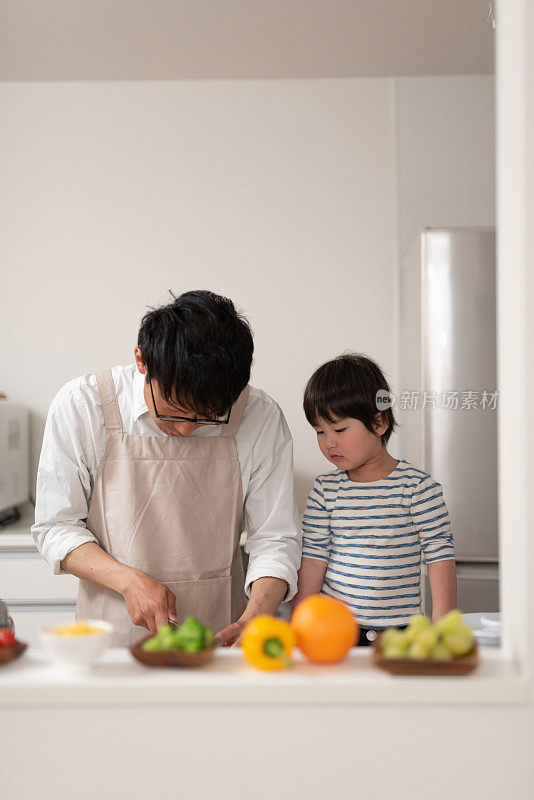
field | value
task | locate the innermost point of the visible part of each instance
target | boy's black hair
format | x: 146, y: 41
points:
x: 347, y: 387
x: 198, y: 349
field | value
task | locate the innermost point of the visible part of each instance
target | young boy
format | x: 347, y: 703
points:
x: 367, y: 522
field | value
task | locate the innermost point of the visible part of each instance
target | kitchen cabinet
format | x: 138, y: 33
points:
x: 34, y: 595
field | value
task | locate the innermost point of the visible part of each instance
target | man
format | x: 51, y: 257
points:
x: 149, y: 473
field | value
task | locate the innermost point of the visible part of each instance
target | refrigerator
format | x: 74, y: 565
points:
x: 448, y: 400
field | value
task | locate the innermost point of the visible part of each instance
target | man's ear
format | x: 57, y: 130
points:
x: 380, y: 423
x: 141, y: 366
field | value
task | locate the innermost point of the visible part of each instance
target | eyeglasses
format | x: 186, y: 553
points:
x: 187, y: 419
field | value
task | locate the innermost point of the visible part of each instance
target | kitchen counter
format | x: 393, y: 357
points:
x: 228, y: 731
x: 117, y: 679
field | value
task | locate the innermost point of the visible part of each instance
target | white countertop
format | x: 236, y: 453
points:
x: 117, y: 679
x: 17, y: 534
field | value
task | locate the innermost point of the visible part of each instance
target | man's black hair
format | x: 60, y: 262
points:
x: 347, y: 387
x: 198, y: 349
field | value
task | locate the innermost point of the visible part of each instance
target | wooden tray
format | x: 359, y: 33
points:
x: 172, y: 658
x: 8, y: 654
x: 461, y: 665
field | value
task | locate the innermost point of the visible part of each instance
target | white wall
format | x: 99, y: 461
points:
x: 288, y: 196
x: 446, y: 153
x: 277, y: 194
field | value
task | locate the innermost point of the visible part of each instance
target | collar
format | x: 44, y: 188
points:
x: 139, y: 405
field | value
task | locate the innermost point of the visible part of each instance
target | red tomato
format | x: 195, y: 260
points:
x: 7, y: 638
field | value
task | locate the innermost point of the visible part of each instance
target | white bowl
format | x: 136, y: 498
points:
x: 76, y: 653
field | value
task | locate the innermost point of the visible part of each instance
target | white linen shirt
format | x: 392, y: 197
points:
x: 73, y: 446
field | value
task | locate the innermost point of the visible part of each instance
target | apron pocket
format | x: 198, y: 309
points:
x: 215, y: 602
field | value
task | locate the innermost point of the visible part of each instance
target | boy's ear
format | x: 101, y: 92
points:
x: 380, y: 423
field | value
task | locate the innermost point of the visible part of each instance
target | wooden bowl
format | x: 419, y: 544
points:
x: 172, y: 658
x: 8, y: 654
x: 461, y: 665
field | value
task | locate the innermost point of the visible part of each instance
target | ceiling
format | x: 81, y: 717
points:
x: 52, y: 40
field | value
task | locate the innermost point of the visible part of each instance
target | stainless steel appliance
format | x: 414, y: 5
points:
x: 14, y: 456
x: 449, y: 393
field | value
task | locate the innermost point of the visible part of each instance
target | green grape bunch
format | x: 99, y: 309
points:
x: 449, y: 638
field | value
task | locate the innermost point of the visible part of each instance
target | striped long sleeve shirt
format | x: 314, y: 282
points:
x: 372, y: 536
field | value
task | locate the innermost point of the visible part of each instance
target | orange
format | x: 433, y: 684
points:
x: 325, y: 628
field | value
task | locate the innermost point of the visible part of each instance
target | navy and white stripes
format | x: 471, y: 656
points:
x: 372, y: 536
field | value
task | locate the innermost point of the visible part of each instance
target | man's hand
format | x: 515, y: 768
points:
x: 149, y: 603
x: 266, y: 594
x: 231, y: 635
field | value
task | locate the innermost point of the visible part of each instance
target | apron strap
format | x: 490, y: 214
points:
x: 236, y: 415
x: 108, y: 396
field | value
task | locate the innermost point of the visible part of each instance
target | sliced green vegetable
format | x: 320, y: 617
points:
x: 190, y: 637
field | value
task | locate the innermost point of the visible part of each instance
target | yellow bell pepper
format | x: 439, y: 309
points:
x: 267, y: 643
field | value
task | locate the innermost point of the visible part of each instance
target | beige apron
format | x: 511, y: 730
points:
x: 171, y: 507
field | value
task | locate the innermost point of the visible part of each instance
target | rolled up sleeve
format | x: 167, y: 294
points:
x: 63, y: 483
x: 429, y: 513
x: 273, y: 539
